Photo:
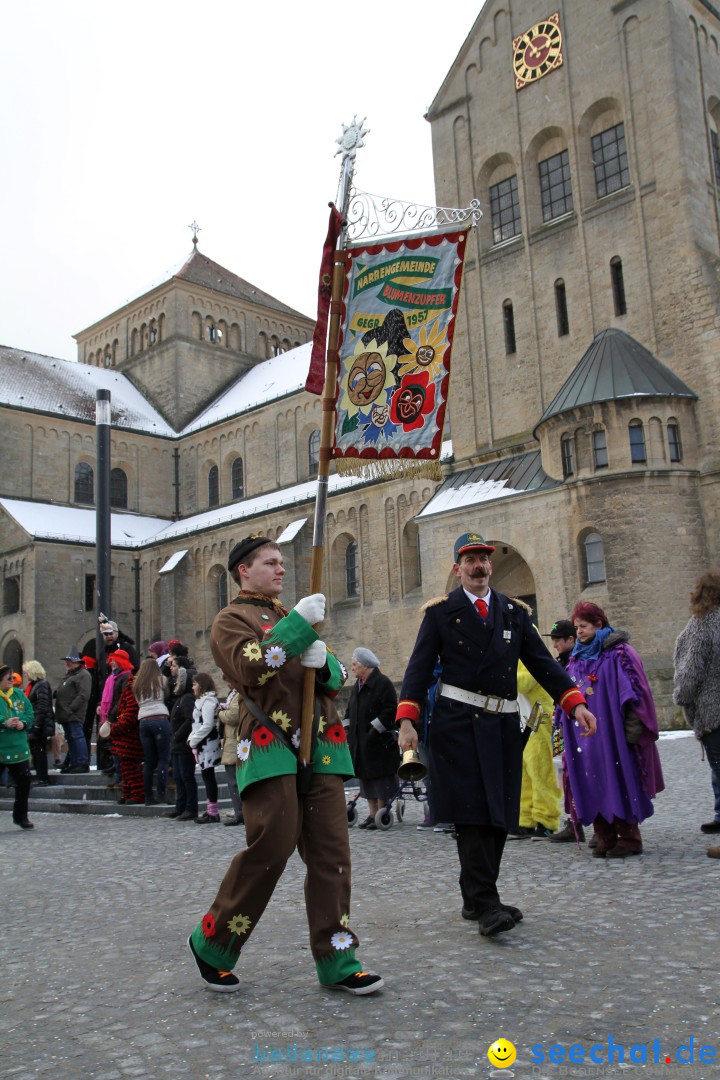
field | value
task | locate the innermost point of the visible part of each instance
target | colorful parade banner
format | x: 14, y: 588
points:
x: 398, y: 321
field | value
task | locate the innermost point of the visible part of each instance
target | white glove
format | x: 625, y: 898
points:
x: 315, y: 655
x: 312, y: 608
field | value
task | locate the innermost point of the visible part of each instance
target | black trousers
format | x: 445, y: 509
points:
x: 20, y: 776
x: 480, y: 850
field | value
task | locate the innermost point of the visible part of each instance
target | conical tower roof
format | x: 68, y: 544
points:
x: 615, y: 366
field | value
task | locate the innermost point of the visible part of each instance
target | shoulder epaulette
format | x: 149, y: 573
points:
x: 521, y: 603
x: 434, y: 602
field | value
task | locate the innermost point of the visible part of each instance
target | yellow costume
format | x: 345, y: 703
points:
x: 540, y: 798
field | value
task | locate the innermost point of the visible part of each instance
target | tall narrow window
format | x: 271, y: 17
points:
x: 555, y: 186
x: 84, y: 483
x: 618, y: 285
x: 222, y: 591
x: 505, y: 210
x: 674, y: 445
x: 89, y: 592
x: 352, y: 581
x: 118, y: 489
x: 594, y: 558
x: 638, y: 453
x: 238, y: 479
x: 314, y: 452
x: 509, y: 327
x: 600, y: 453
x: 214, y: 487
x: 568, y: 457
x: 11, y: 596
x: 715, y: 155
x: 609, y: 158
x: 561, y: 310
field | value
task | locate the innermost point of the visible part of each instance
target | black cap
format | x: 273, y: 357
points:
x: 242, y: 549
x: 563, y: 628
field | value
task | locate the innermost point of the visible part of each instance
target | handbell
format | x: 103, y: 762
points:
x: 412, y: 767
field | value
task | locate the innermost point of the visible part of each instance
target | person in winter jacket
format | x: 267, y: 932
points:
x: 182, y: 706
x: 204, y: 741
x: 71, y: 699
x: 230, y: 711
x: 126, y: 744
x: 39, y: 695
x: 374, y: 749
x: 16, y: 720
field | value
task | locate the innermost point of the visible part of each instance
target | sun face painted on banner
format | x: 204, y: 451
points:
x: 398, y: 321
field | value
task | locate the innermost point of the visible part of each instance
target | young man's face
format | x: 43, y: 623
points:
x: 265, y: 573
x: 473, y: 571
x: 562, y: 645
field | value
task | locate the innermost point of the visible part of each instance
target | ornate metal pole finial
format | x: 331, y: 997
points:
x: 195, y: 230
x: 351, y: 139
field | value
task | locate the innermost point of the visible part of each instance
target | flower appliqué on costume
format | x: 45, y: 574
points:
x: 243, y: 749
x: 252, y: 651
x: 266, y: 677
x: 326, y: 759
x: 262, y: 736
x: 341, y: 940
x: 335, y: 733
x: 281, y: 719
x: 239, y: 924
x: 208, y: 925
x: 593, y: 677
x: 275, y: 656
x: 345, y: 921
x: 322, y: 723
x: 296, y: 739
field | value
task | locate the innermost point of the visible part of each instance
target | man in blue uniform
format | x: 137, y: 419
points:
x: 479, y: 635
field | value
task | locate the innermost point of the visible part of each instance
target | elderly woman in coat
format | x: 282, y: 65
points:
x: 371, y: 716
x: 697, y: 679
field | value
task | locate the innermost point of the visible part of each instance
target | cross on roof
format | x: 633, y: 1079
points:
x: 195, y: 230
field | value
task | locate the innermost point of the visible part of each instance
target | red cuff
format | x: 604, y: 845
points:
x: 407, y: 710
x: 570, y: 699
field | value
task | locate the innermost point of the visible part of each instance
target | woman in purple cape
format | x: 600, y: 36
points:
x: 614, y: 776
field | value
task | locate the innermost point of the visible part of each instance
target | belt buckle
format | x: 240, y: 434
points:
x: 499, y: 702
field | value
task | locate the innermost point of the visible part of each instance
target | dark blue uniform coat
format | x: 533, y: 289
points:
x: 475, y: 756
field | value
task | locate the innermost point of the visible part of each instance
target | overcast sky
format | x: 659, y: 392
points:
x: 121, y: 123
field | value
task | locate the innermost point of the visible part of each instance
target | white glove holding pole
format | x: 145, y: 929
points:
x: 312, y: 608
x: 315, y: 655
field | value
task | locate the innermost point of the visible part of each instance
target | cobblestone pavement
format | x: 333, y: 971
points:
x: 97, y: 981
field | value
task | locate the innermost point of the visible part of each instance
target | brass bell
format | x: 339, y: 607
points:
x: 412, y: 767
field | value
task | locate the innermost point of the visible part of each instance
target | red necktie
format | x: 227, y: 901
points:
x: 482, y: 608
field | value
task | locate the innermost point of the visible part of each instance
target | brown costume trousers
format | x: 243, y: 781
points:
x: 277, y: 821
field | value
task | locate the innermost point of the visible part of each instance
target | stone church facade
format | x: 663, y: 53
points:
x: 584, y: 393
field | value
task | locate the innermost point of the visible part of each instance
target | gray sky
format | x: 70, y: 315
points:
x: 121, y: 123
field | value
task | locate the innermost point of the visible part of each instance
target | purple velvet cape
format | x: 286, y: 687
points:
x: 608, y: 776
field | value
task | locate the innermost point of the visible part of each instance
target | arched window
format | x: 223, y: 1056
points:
x: 314, y: 452
x: 214, y: 486
x: 568, y: 456
x: 118, y: 489
x: 594, y: 558
x: 561, y: 311
x: 238, y: 479
x: 618, y: 285
x: 13, y: 655
x: 410, y: 558
x: 638, y: 453
x: 674, y: 444
x: 352, y: 579
x: 11, y: 596
x: 509, y: 327
x: 222, y: 591
x: 609, y: 158
x: 84, y: 483
x: 600, y: 454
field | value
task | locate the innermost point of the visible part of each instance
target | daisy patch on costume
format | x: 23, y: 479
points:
x: 243, y: 749
x: 266, y: 677
x: 252, y: 651
x: 275, y: 656
x: 345, y: 921
x: 239, y: 924
x: 326, y: 759
x: 342, y: 940
x: 281, y: 719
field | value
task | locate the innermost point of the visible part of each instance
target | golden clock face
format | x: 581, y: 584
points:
x: 538, y: 51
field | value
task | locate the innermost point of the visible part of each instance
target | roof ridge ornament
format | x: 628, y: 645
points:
x: 195, y: 230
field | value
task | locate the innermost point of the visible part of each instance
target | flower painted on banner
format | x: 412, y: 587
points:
x: 341, y: 940
x: 295, y: 740
x: 275, y: 656
x: 262, y: 736
x: 426, y: 355
x: 266, y: 677
x: 243, y: 749
x: 239, y: 924
x: 326, y: 759
x: 281, y: 719
x: 336, y: 733
x: 345, y: 921
x: 369, y: 371
x: 413, y: 401
x: 208, y: 925
x: 252, y: 651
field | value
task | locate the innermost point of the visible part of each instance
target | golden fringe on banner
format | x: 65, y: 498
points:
x: 389, y: 468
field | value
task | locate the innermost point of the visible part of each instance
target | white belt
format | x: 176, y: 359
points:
x: 487, y: 702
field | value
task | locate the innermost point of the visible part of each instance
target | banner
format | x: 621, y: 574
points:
x: 398, y: 321
x: 316, y: 374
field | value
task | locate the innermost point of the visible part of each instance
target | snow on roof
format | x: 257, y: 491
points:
x: 172, y: 562
x: 48, y: 384
x: 46, y: 521
x: 494, y: 480
x: 290, y: 531
x: 272, y: 379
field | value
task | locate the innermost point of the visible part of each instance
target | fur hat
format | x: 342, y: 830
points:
x: 122, y: 660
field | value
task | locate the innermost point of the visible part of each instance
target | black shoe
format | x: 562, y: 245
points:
x: 367, y: 823
x: 234, y: 821
x: 174, y: 813
x: 224, y: 982
x: 186, y: 816
x: 206, y: 818
x: 710, y: 827
x: 42, y: 783
x: 521, y: 834
x: 23, y: 823
x: 540, y: 832
x: 77, y: 769
x: 473, y: 914
x: 566, y: 835
x: 495, y: 921
x: 362, y: 982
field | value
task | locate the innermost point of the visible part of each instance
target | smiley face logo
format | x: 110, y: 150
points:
x: 501, y: 1054
x: 366, y: 379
